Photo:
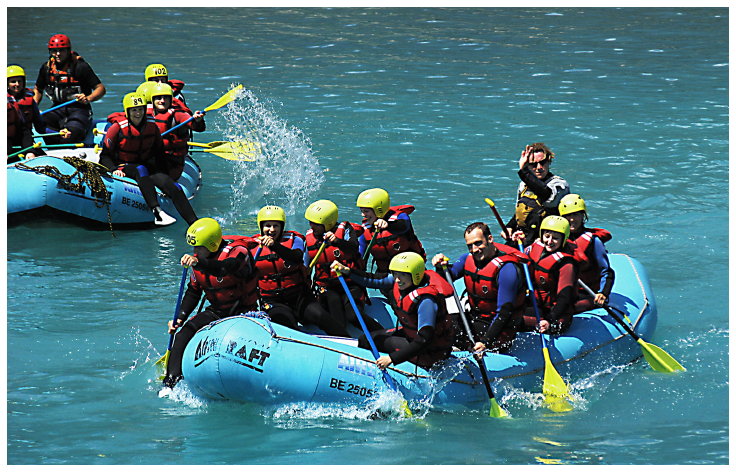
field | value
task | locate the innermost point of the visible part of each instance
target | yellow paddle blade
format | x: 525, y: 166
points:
x: 202, y: 144
x: 658, y: 359
x: 490, y: 202
x: 406, y: 412
x: 225, y: 99
x: 162, y: 364
x: 236, y: 150
x: 496, y: 410
x: 554, y: 387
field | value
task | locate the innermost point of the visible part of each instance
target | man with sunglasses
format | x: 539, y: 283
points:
x: 66, y: 76
x: 539, y: 194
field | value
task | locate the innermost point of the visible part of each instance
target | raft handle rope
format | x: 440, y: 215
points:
x: 86, y: 172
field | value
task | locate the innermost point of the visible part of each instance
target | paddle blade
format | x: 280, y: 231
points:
x: 162, y: 364
x: 496, y: 410
x: 554, y: 386
x: 405, y: 410
x: 225, y: 99
x: 236, y: 151
x: 658, y: 359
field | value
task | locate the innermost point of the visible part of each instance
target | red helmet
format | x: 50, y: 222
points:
x: 60, y: 41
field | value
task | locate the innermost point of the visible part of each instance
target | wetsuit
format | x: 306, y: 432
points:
x: 595, y: 269
x: 536, y: 199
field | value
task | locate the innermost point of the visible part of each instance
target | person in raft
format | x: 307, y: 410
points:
x: 329, y: 241
x: 538, y: 195
x: 23, y: 115
x: 554, y: 275
x: 494, y: 280
x: 283, y: 280
x: 386, y: 229
x: 65, y: 77
x: 426, y: 331
x: 222, y: 270
x: 595, y: 270
x: 159, y: 73
x: 132, y: 147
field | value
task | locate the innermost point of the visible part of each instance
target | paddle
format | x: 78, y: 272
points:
x: 46, y: 134
x: 387, y: 378
x: 165, y: 358
x: 496, y: 410
x: 506, y: 235
x: 59, y: 106
x: 47, y: 146
x: 657, y: 358
x: 316, y: 256
x: 221, y: 102
x: 230, y: 150
x: 552, y: 385
x: 367, y: 252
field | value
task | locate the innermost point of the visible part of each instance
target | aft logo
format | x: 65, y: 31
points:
x: 253, y: 358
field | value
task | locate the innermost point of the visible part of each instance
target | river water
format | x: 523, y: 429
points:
x: 434, y: 105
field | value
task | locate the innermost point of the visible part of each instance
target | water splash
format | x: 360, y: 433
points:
x: 284, y: 170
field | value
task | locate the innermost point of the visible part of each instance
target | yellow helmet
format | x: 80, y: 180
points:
x: 556, y: 223
x: 409, y: 262
x: 375, y: 198
x: 205, y: 232
x: 132, y: 100
x: 145, y: 90
x: 571, y: 203
x: 16, y: 71
x: 156, y: 70
x: 322, y: 212
x: 271, y: 213
x: 160, y: 89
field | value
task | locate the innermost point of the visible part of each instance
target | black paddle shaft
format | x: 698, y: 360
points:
x: 611, y: 312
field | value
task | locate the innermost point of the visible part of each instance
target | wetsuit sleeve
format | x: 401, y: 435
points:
x: 38, y: 123
x: 240, y: 265
x: 108, y: 155
x: 550, y: 191
x: 509, y: 284
x: 606, y: 271
x: 86, y: 77
x: 190, y: 299
x: 427, y: 316
x: 362, y: 244
x: 400, y: 225
x: 294, y: 255
x: 364, y: 279
x: 41, y: 80
x: 456, y: 269
x: 566, y: 292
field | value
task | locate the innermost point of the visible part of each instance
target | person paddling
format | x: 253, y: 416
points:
x: 222, y: 270
x: 67, y: 76
x: 494, y: 280
x: 590, y: 250
x: 132, y: 147
x: 426, y: 331
x: 23, y: 115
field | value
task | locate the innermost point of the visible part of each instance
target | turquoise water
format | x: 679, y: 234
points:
x: 434, y: 105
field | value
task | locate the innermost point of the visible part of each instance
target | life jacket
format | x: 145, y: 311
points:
x: 530, y: 209
x: 62, y: 85
x: 134, y: 145
x: 20, y: 113
x: 178, y: 99
x: 276, y: 275
x: 175, y: 143
x: 482, y: 284
x: 323, y: 276
x: 545, y: 271
x: 584, y: 253
x: 406, y: 310
x: 230, y: 292
x: 387, y: 244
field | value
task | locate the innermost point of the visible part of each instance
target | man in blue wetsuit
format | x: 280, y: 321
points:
x: 495, y: 284
x: 426, y: 332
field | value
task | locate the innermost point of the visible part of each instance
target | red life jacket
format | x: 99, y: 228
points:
x: 276, y: 275
x: 406, y: 310
x: 482, y: 284
x: 20, y: 113
x: 133, y: 145
x: 546, y: 270
x: 322, y: 275
x: 387, y: 244
x: 62, y: 84
x: 224, y: 292
x: 175, y: 143
x: 584, y: 252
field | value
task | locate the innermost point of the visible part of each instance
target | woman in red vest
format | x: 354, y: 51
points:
x: 23, y: 115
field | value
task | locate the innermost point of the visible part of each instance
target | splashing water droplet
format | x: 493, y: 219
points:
x: 284, y: 171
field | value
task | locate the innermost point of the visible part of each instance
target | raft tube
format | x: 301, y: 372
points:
x: 249, y: 359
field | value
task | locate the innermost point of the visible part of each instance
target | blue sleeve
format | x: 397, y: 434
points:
x: 384, y: 283
x: 403, y: 227
x: 509, y: 282
x: 362, y: 244
x: 427, y: 313
x: 458, y: 266
x: 601, y: 258
x: 299, y: 244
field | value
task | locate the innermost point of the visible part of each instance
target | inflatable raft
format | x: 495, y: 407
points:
x: 65, y: 183
x: 249, y: 359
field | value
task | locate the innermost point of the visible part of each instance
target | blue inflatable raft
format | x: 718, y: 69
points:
x: 59, y: 184
x: 249, y: 359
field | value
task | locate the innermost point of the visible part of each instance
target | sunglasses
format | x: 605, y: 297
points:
x: 533, y: 165
x: 55, y: 50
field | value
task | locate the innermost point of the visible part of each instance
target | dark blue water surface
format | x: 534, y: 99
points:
x: 434, y: 105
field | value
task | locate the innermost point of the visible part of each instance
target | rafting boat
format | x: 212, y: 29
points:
x: 249, y: 359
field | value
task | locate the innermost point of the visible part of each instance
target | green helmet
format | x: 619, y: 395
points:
x: 409, y: 262
x: 145, y: 90
x: 205, y: 232
x: 558, y: 224
x: 571, y: 203
x: 322, y: 212
x: 156, y: 70
x: 16, y: 71
x: 133, y: 100
x: 376, y: 199
x: 271, y: 213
